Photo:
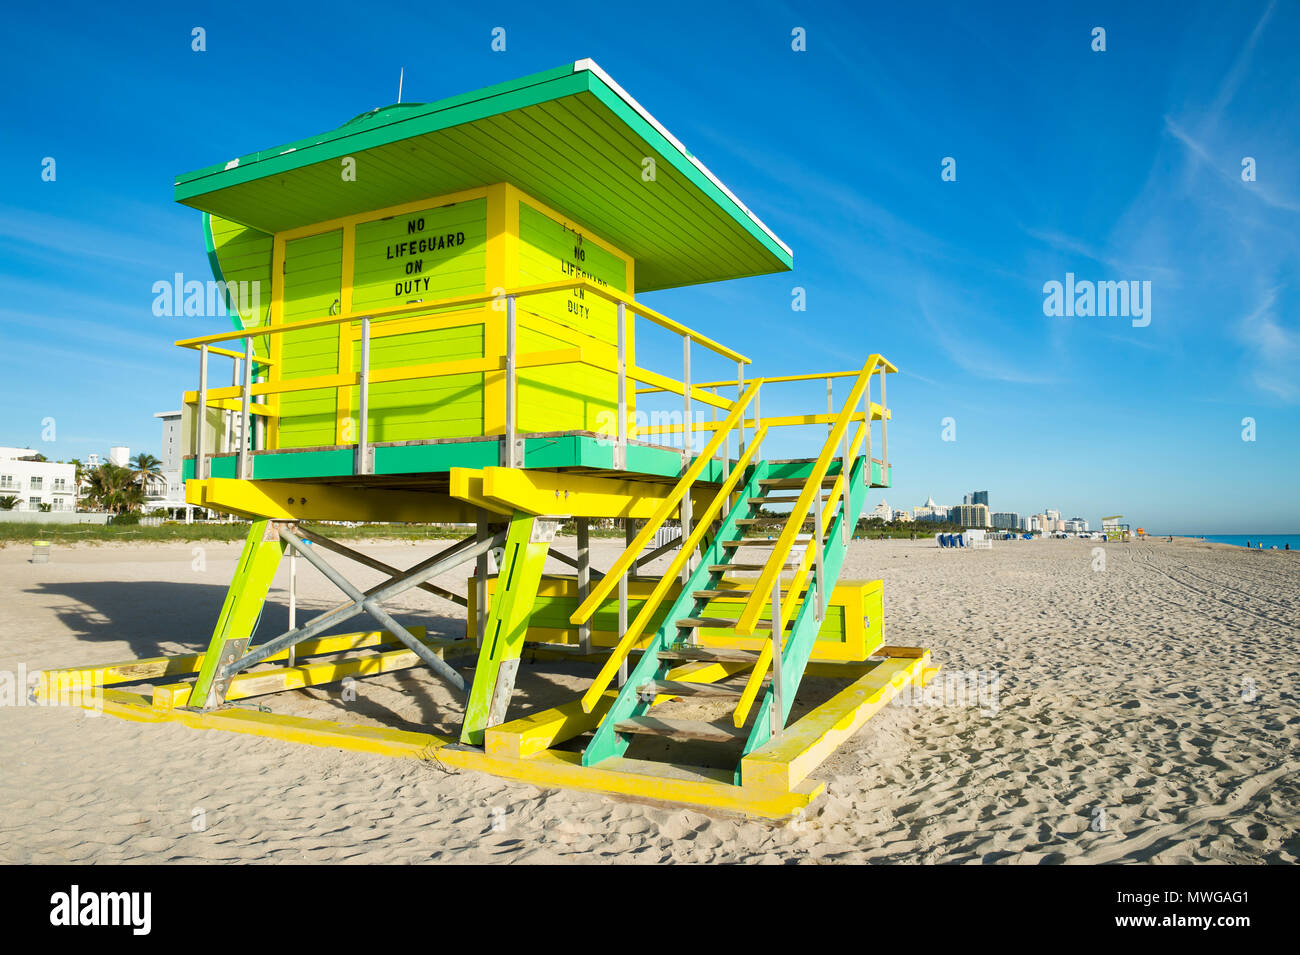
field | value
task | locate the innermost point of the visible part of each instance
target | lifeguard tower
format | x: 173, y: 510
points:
x: 443, y: 327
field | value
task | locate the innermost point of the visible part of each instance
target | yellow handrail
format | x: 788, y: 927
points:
x: 755, y: 681
x: 651, y: 604
x: 662, y: 513
x: 745, y: 625
x: 433, y: 369
x: 466, y: 301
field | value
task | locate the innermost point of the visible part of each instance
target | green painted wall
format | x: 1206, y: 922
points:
x: 240, y: 255
x: 313, y: 268
x: 565, y: 397
x: 436, y: 253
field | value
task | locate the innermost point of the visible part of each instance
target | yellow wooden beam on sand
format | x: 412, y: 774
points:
x: 292, y: 501
x: 775, y: 780
x: 709, y: 788
x: 541, y: 730
x: 788, y: 759
x: 263, y: 682
x: 154, y: 668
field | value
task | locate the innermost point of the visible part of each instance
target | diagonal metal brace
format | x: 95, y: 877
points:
x: 379, y: 565
x: 371, y: 605
x: 368, y: 602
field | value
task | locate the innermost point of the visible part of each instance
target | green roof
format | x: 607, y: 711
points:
x: 570, y: 137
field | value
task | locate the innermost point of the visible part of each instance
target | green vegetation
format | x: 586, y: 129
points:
x: 124, y: 529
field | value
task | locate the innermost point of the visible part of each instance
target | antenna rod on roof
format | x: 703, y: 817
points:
x: 400, y: 76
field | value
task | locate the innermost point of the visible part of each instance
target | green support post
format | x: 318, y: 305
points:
x: 258, y: 563
x: 527, y: 544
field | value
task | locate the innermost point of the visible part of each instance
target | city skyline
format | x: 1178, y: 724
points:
x: 939, y: 266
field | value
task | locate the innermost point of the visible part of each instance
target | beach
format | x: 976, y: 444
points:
x: 1125, y: 702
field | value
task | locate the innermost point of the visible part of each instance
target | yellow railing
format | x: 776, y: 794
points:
x: 797, y: 584
x: 586, y: 350
x: 812, y: 489
x: 651, y: 605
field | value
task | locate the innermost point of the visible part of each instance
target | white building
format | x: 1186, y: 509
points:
x: 37, y: 484
x: 930, y: 511
x: 882, y: 511
x: 170, y: 492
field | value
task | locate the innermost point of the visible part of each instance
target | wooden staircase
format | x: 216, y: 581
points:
x: 773, y: 674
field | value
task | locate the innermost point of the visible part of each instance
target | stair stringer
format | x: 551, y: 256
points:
x: 799, y: 645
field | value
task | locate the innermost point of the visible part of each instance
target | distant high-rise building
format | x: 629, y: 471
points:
x: 980, y: 497
x: 970, y: 515
x: 1006, y: 520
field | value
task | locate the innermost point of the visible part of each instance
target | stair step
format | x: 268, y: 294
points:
x: 678, y: 688
x: 736, y: 594
x: 754, y: 521
x: 763, y: 542
x: 727, y: 568
x: 692, y: 623
x: 680, y: 729
x: 709, y: 654
x: 827, y: 481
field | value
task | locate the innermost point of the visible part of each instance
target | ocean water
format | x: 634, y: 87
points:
x: 1268, y: 540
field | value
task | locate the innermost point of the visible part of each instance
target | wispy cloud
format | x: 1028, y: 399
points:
x: 1274, y: 348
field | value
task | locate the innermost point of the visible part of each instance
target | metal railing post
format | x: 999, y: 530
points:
x: 870, y: 424
x: 481, y: 534
x: 726, y: 445
x: 688, y: 433
x: 200, y: 449
x: 245, y: 396
x: 687, y: 447
x: 740, y: 390
x: 291, y: 658
x: 362, y: 465
x: 846, y: 470
x: 629, y: 533
x: 884, y: 430
x: 620, y: 449
x: 778, y: 682
x: 511, y: 456
x: 819, y: 606
x: 830, y: 407
x: 584, y: 582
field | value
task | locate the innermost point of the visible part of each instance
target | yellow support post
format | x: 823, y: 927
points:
x: 527, y: 544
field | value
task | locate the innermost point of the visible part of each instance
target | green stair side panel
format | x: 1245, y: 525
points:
x: 799, y: 645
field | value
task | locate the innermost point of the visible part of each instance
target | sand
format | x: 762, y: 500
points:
x: 1144, y: 712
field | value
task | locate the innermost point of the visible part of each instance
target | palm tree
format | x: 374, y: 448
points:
x: 146, y: 470
x: 112, y: 488
x: 8, y: 502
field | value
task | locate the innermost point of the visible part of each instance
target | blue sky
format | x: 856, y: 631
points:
x: 1116, y: 165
